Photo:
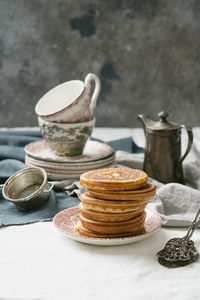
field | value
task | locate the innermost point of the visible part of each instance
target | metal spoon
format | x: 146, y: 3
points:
x: 179, y: 252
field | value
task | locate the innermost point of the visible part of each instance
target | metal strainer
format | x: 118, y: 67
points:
x: 28, y: 188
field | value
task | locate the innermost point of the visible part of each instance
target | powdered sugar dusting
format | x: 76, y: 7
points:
x: 116, y: 174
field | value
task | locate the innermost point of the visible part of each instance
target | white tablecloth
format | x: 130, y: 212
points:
x: 38, y: 262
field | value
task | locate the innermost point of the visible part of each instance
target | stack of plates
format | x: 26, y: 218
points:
x: 96, y: 155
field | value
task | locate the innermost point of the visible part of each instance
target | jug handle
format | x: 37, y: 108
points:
x: 96, y: 92
x: 190, y: 140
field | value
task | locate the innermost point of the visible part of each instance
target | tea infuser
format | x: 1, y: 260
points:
x: 179, y: 252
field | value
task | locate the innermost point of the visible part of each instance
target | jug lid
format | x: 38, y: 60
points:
x: 161, y: 126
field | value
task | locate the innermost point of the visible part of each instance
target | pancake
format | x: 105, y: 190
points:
x: 114, y: 179
x: 88, y: 233
x: 133, y: 225
x: 105, y: 206
x: 143, y: 194
x: 107, y: 217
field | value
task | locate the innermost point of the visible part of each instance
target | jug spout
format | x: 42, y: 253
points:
x: 144, y: 120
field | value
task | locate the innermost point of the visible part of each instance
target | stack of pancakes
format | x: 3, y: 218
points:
x: 114, y: 205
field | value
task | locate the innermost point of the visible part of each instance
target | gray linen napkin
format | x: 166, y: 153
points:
x: 177, y: 204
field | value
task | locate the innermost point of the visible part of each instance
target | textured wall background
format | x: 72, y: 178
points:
x: 146, y: 52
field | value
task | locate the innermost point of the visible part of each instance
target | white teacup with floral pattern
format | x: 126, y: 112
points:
x: 70, y: 102
x: 66, y: 139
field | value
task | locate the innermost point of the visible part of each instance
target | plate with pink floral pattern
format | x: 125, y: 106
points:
x: 93, y: 151
x: 66, y: 221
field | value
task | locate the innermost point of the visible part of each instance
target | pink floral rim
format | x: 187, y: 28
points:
x: 93, y: 151
x: 66, y: 220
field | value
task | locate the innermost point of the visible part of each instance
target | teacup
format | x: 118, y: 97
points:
x: 70, y: 102
x: 67, y: 139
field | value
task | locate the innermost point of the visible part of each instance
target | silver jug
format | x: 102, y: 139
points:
x: 163, y: 160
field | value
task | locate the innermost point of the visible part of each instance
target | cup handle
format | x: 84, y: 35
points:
x: 96, y: 92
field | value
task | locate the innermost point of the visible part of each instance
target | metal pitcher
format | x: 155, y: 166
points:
x: 163, y: 160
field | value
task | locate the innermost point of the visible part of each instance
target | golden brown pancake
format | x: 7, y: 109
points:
x: 109, y: 206
x: 133, y: 225
x: 107, y: 217
x: 114, y: 205
x: 114, y: 179
x: 88, y: 233
x: 145, y: 193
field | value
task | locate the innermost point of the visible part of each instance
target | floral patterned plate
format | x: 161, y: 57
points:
x: 66, y: 220
x: 70, y: 166
x: 93, y: 151
x: 70, y: 170
x: 56, y: 173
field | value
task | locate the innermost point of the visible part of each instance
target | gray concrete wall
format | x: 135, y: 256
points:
x: 146, y: 52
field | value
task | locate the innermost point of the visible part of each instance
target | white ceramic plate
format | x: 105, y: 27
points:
x: 69, y: 172
x: 66, y: 220
x: 65, y: 167
x: 93, y: 151
x: 59, y: 175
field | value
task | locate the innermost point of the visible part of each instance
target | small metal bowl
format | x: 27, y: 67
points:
x: 28, y: 189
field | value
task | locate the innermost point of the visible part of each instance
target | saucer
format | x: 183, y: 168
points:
x: 66, y: 221
x: 70, y: 166
x: 67, y: 170
x: 63, y: 171
x: 93, y: 151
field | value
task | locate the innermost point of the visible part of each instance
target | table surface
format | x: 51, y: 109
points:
x: 38, y: 262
